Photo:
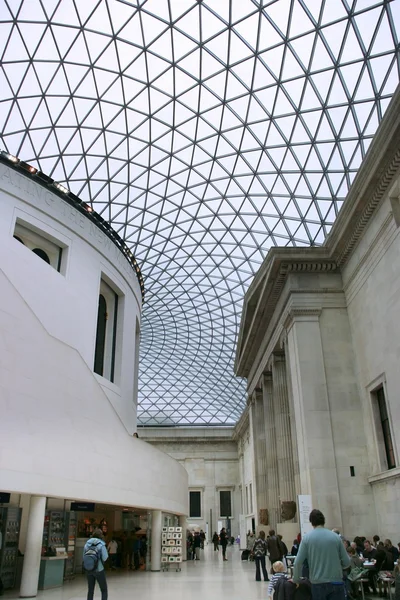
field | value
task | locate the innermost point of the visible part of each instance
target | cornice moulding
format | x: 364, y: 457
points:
x: 372, y: 182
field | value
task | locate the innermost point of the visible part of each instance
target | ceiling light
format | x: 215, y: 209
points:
x: 61, y: 187
x: 9, y: 157
x: 28, y: 167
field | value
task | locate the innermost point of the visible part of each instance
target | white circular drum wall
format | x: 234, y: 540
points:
x: 65, y: 431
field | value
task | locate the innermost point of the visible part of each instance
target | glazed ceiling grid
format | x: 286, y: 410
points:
x: 205, y: 132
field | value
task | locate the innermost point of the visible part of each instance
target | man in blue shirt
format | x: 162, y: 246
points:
x: 326, y: 557
x: 99, y: 575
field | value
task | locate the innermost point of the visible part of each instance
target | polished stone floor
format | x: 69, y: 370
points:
x: 207, y: 579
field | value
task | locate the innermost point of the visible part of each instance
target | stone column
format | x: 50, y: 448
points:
x: 156, y: 521
x: 283, y: 430
x: 252, y: 425
x: 292, y: 424
x: 33, y: 547
x: 183, y: 524
x: 259, y: 440
x: 272, y: 481
x: 317, y: 464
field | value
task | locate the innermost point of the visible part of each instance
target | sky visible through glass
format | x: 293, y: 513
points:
x: 205, y: 132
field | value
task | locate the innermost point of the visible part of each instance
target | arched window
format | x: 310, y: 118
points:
x: 100, y: 336
x: 41, y: 244
x: 106, y: 356
x: 42, y: 254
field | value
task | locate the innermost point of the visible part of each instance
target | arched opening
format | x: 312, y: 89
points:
x: 100, y: 336
x: 19, y: 239
x: 42, y: 254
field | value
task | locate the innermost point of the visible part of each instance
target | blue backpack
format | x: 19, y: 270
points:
x: 91, y: 557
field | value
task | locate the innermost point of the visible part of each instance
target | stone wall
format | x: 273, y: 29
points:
x: 210, y: 457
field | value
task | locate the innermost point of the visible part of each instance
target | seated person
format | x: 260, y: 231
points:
x: 389, y: 546
x: 369, y: 552
x: 279, y: 570
x: 355, y: 560
x: 295, y: 548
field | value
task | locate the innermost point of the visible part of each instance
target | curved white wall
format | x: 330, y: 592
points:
x: 64, y: 431
x: 67, y: 304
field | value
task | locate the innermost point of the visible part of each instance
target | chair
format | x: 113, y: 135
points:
x: 387, y: 580
x: 361, y: 582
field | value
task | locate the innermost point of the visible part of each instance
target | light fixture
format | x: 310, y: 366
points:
x: 28, y: 167
x: 61, y: 188
x: 9, y: 156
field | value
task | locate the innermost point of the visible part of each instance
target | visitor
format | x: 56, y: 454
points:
x: 224, y: 542
x: 295, y: 548
x: 394, y: 551
x: 259, y: 551
x: 355, y: 560
x: 279, y: 573
x: 275, y: 549
x: 375, y: 539
x: 196, y: 545
x: 369, y: 553
x: 112, y: 549
x: 215, y: 541
x: 326, y: 558
x: 202, y: 539
x: 284, y: 549
x: 99, y: 575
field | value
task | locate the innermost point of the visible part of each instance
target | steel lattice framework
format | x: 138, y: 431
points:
x: 205, y: 132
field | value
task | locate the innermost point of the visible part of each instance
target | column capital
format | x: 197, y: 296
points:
x: 300, y: 314
x: 266, y: 377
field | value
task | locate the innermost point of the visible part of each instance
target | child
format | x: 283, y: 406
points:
x: 279, y: 572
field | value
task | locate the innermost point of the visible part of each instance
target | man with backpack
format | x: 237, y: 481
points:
x: 94, y: 556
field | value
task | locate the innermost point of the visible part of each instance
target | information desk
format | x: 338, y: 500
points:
x: 51, y: 573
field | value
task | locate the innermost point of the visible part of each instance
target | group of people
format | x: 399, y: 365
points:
x: 327, y: 566
x: 273, y: 547
x: 195, y: 543
x: 127, y: 551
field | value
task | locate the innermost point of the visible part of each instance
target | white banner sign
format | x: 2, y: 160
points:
x: 304, y: 507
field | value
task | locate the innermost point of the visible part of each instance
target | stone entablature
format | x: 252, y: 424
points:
x: 375, y: 178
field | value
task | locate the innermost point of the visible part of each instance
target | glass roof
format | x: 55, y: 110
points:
x: 205, y: 132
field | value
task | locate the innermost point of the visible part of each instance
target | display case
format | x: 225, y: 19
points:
x: 11, y: 519
x: 171, y: 548
x: 69, y: 543
x: 53, y: 531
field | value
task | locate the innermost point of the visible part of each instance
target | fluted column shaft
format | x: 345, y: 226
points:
x: 293, y: 426
x: 271, y: 454
x: 259, y: 433
x: 252, y: 504
x: 283, y: 430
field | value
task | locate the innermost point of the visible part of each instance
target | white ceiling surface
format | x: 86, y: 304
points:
x: 205, y: 132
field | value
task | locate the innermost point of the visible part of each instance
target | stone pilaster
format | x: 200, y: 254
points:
x: 252, y: 425
x: 261, y: 454
x: 272, y: 482
x: 292, y: 421
x: 316, y: 448
x: 283, y: 430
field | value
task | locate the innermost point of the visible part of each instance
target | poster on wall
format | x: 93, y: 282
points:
x: 304, y: 507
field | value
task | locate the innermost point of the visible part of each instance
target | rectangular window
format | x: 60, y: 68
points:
x: 247, y: 500
x: 225, y: 503
x: 39, y: 243
x: 195, y: 504
x: 385, y: 424
x: 251, y: 497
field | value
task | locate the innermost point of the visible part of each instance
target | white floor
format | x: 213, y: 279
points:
x: 207, y: 579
